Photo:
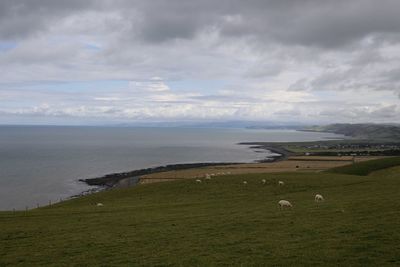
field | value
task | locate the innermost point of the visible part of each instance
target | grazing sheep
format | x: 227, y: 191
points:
x: 281, y: 183
x: 263, y: 181
x: 319, y: 198
x: 198, y: 181
x: 228, y: 173
x: 284, y: 204
x: 244, y: 182
x: 208, y: 177
x: 99, y: 205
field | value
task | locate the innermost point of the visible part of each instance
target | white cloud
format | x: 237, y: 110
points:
x: 314, y: 62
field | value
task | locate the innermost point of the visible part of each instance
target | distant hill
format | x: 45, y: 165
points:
x: 362, y: 131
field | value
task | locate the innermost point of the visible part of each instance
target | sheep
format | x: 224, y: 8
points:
x: 99, y: 205
x: 319, y: 198
x: 208, y: 177
x: 212, y: 174
x: 263, y: 181
x: 284, y: 204
x: 281, y: 183
x: 198, y: 181
x: 244, y: 182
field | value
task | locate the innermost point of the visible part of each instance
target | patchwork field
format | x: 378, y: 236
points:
x: 220, y: 222
x: 293, y: 164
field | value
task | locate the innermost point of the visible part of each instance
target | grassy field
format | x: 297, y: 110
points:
x: 365, y: 168
x: 221, y: 222
x: 293, y: 164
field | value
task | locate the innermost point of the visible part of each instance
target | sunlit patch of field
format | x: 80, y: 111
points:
x: 293, y: 164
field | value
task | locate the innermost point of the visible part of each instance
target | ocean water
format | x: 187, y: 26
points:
x: 39, y: 164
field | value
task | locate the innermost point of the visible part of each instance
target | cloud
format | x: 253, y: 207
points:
x: 307, y: 59
x: 155, y: 84
x: 19, y: 19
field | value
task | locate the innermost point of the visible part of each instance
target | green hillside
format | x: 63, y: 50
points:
x: 221, y: 222
x: 362, y: 130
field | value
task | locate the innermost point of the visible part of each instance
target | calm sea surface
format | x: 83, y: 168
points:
x: 42, y: 164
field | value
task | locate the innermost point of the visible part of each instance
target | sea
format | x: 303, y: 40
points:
x: 42, y: 164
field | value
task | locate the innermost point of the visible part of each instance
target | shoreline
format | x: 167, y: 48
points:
x: 274, y: 148
x: 112, y: 179
x: 131, y: 178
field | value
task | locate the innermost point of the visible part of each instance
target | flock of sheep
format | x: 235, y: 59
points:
x: 282, y: 203
x: 208, y: 176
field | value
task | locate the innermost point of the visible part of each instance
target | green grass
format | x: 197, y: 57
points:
x: 217, y: 223
x: 365, y: 168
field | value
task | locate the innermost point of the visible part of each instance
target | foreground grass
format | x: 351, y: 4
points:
x: 221, y: 222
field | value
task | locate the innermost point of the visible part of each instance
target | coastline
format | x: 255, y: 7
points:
x: 131, y: 178
x: 112, y: 179
x: 274, y: 148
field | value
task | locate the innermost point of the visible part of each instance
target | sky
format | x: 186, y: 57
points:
x: 127, y: 61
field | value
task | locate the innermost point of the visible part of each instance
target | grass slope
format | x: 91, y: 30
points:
x: 221, y: 222
x: 367, y: 167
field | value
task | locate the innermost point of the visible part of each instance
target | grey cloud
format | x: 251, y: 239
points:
x: 26, y: 17
x: 165, y: 27
x: 258, y: 46
x: 311, y: 23
x: 389, y: 112
x: 305, y: 22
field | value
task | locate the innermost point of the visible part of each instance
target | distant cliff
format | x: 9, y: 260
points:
x: 362, y: 131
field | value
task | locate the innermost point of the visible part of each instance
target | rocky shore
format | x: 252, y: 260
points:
x: 132, y: 177
x: 111, y: 180
x: 283, y: 154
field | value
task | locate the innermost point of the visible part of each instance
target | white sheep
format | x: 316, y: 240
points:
x: 281, y: 183
x: 212, y: 174
x: 284, y: 204
x: 99, y: 205
x: 319, y: 198
x: 198, y: 181
x: 208, y: 177
x: 244, y: 182
x: 263, y: 181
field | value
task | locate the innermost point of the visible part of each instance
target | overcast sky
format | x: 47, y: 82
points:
x: 310, y: 61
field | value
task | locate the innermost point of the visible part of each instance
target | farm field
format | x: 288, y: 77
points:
x: 293, y: 164
x: 220, y: 222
